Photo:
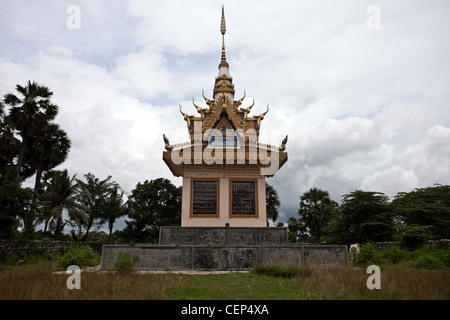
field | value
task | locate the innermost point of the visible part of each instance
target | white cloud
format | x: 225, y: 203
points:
x: 363, y: 109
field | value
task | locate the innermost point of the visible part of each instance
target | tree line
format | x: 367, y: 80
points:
x: 32, y: 144
x: 363, y: 216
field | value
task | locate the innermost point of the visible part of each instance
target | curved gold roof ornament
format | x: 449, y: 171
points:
x: 168, y: 146
x: 208, y: 101
x: 260, y: 118
x: 187, y: 118
x: 247, y: 110
x: 199, y: 109
x: 283, y: 144
x: 239, y: 102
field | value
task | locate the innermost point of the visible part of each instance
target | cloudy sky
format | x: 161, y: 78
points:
x: 362, y: 88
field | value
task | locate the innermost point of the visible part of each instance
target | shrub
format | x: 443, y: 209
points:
x: 124, y: 262
x: 394, y: 254
x: 429, y: 262
x: 366, y: 254
x: 82, y: 257
x: 444, y: 256
x: 283, y: 271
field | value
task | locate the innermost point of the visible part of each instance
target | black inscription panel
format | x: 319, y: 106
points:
x: 204, y: 198
x: 243, y: 197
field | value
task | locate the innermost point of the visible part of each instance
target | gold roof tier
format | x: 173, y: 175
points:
x: 268, y: 158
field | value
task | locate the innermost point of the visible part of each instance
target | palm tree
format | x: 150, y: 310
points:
x: 316, y: 211
x: 30, y: 114
x: 272, y: 203
x: 114, y: 209
x: 61, y: 193
x: 47, y: 151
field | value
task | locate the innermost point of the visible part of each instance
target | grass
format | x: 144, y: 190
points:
x: 422, y: 274
x: 35, y: 280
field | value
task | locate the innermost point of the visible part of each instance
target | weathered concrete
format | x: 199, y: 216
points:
x: 228, y: 257
x: 220, y: 236
x: 22, y: 248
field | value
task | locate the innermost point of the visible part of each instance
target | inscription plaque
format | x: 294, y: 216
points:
x: 204, y: 197
x: 243, y: 197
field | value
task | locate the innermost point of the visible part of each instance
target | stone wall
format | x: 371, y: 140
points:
x: 21, y: 247
x: 439, y: 244
x: 241, y: 257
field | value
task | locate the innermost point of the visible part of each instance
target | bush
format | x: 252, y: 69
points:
x: 367, y: 254
x: 394, y: 254
x: 283, y: 271
x: 444, y: 256
x: 124, y: 262
x: 82, y: 257
x: 429, y: 262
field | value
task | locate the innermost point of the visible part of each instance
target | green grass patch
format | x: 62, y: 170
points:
x: 236, y: 286
x: 282, y: 271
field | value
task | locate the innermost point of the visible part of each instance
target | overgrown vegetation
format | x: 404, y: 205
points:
x: 36, y: 281
x: 405, y: 274
x: 125, y: 262
x: 82, y: 257
x: 425, y: 257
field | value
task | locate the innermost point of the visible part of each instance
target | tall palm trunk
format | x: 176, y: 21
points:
x: 21, y: 154
x: 37, y: 184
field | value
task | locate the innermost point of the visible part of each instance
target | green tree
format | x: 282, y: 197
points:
x: 47, y: 150
x: 316, y: 211
x: 272, y: 203
x: 30, y: 114
x: 15, y: 204
x: 425, y: 212
x: 93, y: 195
x: 296, y: 230
x: 60, y: 194
x: 152, y: 204
x: 366, y: 216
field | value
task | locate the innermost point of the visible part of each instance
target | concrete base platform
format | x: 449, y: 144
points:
x: 223, y: 258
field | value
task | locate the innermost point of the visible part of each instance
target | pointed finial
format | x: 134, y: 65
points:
x: 223, y: 28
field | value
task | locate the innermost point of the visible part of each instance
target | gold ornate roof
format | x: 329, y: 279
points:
x: 223, y: 106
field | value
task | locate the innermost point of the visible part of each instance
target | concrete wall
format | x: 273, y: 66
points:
x: 197, y: 257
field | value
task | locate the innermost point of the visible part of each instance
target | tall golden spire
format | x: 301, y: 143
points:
x: 223, y: 29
